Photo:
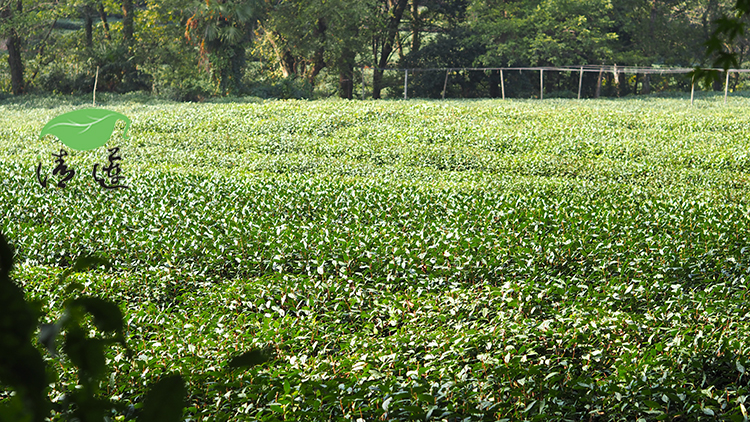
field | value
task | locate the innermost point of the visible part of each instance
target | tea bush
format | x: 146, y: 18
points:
x: 456, y: 260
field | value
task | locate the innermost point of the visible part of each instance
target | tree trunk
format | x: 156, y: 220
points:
x: 317, y: 61
x: 608, y: 77
x: 88, y: 25
x: 238, y: 69
x: 346, y: 84
x: 616, y: 83
x: 646, y: 84
x: 346, y: 74
x: 416, y: 27
x: 15, y: 60
x: 103, y: 17
x: 399, y: 48
x: 287, y: 61
x: 377, y: 83
x: 127, y: 21
x: 718, y: 84
x: 288, y: 64
x: 129, y: 77
x: 395, y: 12
x: 494, y: 82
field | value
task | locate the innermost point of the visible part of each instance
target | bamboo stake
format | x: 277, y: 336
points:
x: 541, y: 84
x: 580, y: 82
x: 502, y: 83
x: 96, y: 81
x: 692, y: 90
x: 445, y: 84
x: 617, y: 80
x: 406, y: 81
x: 726, y: 87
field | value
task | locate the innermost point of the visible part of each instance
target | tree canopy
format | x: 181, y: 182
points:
x: 191, y: 49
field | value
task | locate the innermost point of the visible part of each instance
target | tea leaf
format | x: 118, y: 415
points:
x: 85, y: 129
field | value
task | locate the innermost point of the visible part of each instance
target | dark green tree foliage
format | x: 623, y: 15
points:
x: 11, y: 18
x: 665, y: 32
x: 241, y: 45
x: 387, y: 15
x: 726, y: 45
x: 306, y: 37
x: 165, y: 400
x: 451, y: 45
x: 541, y: 33
x: 22, y: 368
x: 728, y: 33
x: 220, y: 30
x: 454, y: 49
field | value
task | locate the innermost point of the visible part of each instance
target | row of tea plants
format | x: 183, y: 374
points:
x: 520, y: 260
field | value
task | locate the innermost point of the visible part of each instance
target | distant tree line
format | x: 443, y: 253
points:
x: 190, y: 49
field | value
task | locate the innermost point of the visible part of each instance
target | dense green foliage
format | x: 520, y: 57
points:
x: 554, y: 260
x: 196, y: 49
x: 23, y: 369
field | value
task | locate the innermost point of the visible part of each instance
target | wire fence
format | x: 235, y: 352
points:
x: 588, y: 81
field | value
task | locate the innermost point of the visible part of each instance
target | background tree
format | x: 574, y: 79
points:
x: 163, y: 52
x: 307, y: 37
x: 384, y: 29
x: 24, y: 24
x: 11, y: 22
x: 346, y: 42
x: 159, y: 45
x: 221, y: 30
x: 296, y: 31
x: 543, y: 33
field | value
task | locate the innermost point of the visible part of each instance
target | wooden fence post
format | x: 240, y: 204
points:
x: 726, y: 87
x: 599, y: 83
x: 406, y: 81
x: 617, y: 80
x: 692, y: 90
x: 363, y: 84
x: 96, y: 81
x: 502, y: 83
x: 445, y: 83
x: 580, y: 82
x: 541, y: 84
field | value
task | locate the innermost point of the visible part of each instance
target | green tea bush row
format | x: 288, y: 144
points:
x: 553, y: 260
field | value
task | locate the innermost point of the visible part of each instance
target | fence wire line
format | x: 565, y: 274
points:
x: 601, y: 69
x: 584, y: 68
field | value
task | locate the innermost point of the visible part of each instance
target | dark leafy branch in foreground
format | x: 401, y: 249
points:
x: 24, y: 370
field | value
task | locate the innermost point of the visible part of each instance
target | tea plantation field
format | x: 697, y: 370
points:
x: 455, y: 260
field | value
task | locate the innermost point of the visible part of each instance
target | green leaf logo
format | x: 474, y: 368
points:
x: 85, y: 129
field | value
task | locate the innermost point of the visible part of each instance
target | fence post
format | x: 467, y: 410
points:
x: 541, y: 84
x: 726, y: 87
x: 580, y: 82
x: 692, y: 90
x: 363, y: 84
x: 599, y: 83
x: 406, y: 81
x: 96, y: 81
x: 445, y: 84
x: 502, y: 83
x: 617, y: 80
